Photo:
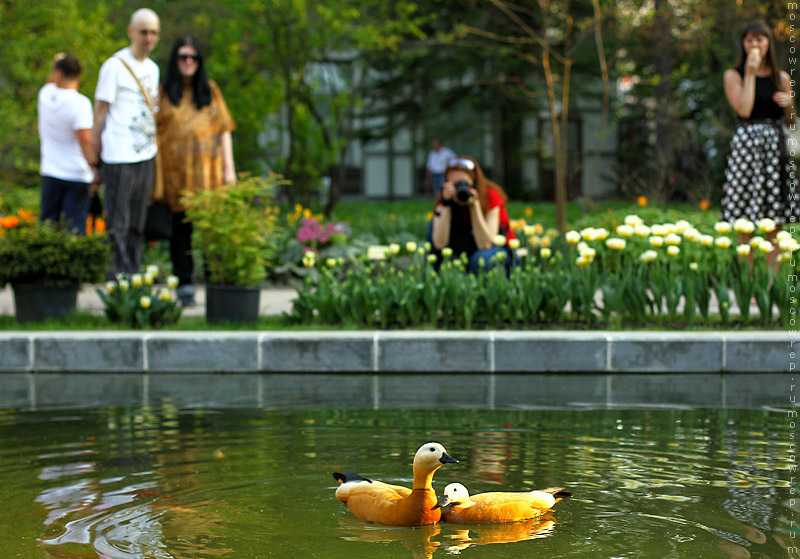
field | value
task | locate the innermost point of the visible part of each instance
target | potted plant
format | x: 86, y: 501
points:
x: 233, y: 228
x: 46, y: 265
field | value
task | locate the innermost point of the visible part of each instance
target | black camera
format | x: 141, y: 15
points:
x: 463, y: 191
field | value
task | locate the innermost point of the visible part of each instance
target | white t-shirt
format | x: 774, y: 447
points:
x: 61, y: 113
x: 438, y: 160
x: 129, y: 135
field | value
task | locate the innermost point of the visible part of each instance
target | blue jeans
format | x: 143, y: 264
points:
x: 437, y: 182
x: 474, y: 264
x: 70, y: 198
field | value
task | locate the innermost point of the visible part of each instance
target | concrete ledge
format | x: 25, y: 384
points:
x: 397, y: 352
x: 103, y: 352
x: 434, y: 351
x: 551, y: 351
x: 310, y: 352
x: 207, y: 352
x: 658, y: 352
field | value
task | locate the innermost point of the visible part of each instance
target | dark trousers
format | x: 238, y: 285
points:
x: 180, y: 248
x: 67, y: 199
x: 128, y: 188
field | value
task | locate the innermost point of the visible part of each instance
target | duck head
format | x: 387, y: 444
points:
x: 433, y: 456
x: 455, y: 495
x: 429, y: 458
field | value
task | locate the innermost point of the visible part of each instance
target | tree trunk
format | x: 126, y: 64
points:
x: 498, y: 147
x: 663, y: 91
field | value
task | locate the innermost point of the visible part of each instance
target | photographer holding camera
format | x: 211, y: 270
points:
x: 469, y: 214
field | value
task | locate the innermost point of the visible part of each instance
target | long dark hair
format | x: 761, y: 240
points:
x: 172, y: 82
x: 760, y: 28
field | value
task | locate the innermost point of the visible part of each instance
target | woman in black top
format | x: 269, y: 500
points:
x: 758, y: 183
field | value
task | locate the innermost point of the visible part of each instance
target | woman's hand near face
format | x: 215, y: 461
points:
x: 448, y: 191
x: 753, y: 61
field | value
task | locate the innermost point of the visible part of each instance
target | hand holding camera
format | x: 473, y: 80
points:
x: 460, y: 192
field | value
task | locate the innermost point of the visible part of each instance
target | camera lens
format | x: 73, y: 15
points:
x: 463, y: 191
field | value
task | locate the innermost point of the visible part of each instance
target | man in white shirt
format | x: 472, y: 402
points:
x: 438, y: 158
x: 65, y: 124
x: 124, y: 138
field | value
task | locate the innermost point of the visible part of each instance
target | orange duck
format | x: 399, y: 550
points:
x: 392, y: 504
x: 495, y: 507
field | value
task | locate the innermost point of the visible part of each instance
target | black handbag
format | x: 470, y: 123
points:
x: 158, y: 225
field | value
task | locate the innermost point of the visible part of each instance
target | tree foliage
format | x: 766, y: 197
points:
x: 304, y: 79
x: 31, y: 34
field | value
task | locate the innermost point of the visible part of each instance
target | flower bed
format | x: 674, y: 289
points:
x: 640, y: 274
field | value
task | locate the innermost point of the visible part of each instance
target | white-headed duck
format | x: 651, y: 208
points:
x: 392, y: 504
x: 495, y: 507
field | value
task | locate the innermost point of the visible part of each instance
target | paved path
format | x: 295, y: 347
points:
x: 274, y: 301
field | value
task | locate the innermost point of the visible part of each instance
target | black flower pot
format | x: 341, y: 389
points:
x: 34, y: 302
x: 229, y: 303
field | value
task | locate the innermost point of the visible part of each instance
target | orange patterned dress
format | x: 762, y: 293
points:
x: 190, y: 144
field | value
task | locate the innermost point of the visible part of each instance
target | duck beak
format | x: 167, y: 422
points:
x: 443, y: 502
x: 447, y: 459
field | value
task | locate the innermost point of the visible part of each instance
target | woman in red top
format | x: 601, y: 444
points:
x: 470, y: 212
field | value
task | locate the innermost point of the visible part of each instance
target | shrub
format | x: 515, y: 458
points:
x: 50, y: 254
x: 234, y: 229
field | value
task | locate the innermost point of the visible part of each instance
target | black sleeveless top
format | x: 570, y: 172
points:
x: 764, y: 106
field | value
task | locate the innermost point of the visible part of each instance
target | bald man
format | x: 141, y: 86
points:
x: 124, y: 138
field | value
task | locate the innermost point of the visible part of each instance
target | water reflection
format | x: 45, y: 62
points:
x: 417, y: 540
x: 487, y: 534
x: 132, y: 515
x: 449, y: 538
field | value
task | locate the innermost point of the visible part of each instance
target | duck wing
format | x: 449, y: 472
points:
x: 377, y: 502
x: 509, y: 507
x: 370, y: 489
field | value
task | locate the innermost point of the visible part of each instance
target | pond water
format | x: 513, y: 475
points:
x: 163, y: 482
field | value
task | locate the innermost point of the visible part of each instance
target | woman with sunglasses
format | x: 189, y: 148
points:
x: 469, y: 215
x: 194, y: 137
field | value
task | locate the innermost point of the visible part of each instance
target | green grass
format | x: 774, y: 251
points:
x: 81, y: 321
x: 85, y: 322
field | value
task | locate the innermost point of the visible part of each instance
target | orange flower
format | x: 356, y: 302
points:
x: 89, y: 224
x: 26, y: 215
x: 100, y: 225
x: 528, y: 212
x: 9, y: 222
x: 704, y: 204
x: 642, y: 201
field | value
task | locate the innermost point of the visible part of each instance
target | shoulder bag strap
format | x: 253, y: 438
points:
x: 141, y: 88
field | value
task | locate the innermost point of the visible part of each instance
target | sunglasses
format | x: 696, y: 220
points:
x: 188, y: 57
x: 461, y: 163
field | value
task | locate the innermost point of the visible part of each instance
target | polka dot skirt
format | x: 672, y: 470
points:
x: 758, y: 181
